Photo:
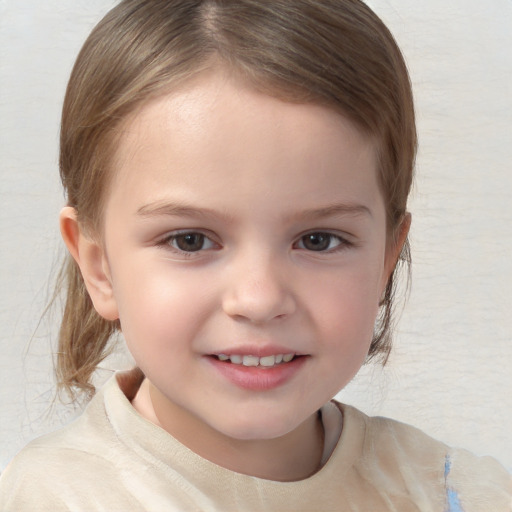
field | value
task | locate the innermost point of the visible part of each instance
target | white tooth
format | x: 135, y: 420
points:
x: 279, y: 358
x: 268, y: 361
x: 236, y: 359
x: 288, y: 357
x: 251, y: 361
x: 223, y: 357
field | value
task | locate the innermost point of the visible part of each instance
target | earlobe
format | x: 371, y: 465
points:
x: 401, y: 234
x: 91, y: 258
x: 396, y: 245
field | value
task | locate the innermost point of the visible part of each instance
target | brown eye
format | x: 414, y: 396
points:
x: 319, y: 241
x: 189, y: 242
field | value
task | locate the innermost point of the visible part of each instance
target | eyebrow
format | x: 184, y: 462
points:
x: 178, y: 210
x: 334, y: 210
x: 183, y: 210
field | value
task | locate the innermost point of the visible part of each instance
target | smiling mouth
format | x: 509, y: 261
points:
x: 255, y: 361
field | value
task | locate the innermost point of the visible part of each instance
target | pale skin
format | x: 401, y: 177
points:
x: 238, y: 223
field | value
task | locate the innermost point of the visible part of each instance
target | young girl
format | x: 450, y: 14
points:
x: 237, y: 176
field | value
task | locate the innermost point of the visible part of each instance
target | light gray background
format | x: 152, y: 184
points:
x: 451, y: 370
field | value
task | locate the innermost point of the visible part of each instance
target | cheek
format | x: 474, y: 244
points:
x: 159, y: 308
x: 345, y: 321
x: 348, y: 305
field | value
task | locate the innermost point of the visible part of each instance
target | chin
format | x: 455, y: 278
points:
x: 257, y: 427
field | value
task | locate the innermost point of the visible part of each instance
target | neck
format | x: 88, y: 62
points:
x: 291, y: 457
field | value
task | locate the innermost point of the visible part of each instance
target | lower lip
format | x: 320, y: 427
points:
x: 257, y: 378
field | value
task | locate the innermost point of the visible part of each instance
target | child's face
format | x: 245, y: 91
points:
x: 242, y: 225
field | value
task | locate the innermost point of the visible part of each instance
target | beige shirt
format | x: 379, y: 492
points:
x: 112, y: 459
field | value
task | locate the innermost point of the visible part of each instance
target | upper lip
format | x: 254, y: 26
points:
x: 257, y: 350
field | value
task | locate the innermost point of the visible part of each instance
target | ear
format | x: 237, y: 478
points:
x: 395, y: 246
x: 91, y: 258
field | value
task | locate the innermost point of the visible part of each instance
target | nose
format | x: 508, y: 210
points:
x: 258, y: 290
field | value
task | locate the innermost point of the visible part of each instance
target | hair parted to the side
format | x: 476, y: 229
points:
x: 337, y: 53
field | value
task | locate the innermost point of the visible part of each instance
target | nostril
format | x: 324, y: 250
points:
x: 259, y: 306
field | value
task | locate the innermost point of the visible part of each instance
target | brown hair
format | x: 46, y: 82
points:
x: 332, y: 52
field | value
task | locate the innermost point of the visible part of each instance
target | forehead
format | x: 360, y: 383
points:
x: 217, y: 132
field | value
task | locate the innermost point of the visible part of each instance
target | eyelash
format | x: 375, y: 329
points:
x: 168, y: 241
x: 341, y: 243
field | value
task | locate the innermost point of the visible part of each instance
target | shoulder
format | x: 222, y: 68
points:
x: 45, y: 473
x: 54, y: 471
x: 421, y: 463
x: 481, y: 481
